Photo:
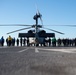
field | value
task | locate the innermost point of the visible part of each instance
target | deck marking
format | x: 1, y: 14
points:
x: 23, y: 50
x: 36, y: 50
x: 60, y: 50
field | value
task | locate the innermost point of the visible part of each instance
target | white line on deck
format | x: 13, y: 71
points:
x: 23, y: 50
x: 36, y: 50
x: 60, y: 50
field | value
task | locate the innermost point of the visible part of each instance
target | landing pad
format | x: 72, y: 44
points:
x: 37, y: 60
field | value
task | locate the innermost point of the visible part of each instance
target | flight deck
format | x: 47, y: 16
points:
x: 37, y: 60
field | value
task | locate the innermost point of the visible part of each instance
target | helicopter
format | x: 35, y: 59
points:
x: 35, y: 36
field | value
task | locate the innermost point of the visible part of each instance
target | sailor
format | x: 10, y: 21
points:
x: 54, y: 41
x: 17, y: 42
x: 2, y: 41
x: 21, y: 41
x: 9, y: 40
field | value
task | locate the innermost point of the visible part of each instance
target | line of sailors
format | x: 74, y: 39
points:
x: 60, y: 42
x: 48, y: 42
x: 66, y: 42
x: 9, y: 41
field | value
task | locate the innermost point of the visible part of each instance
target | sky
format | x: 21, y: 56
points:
x: 54, y: 12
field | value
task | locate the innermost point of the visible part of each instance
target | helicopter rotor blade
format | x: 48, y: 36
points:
x: 54, y: 30
x: 62, y: 25
x: 68, y: 25
x: 39, y: 14
x: 14, y: 25
x: 40, y: 17
x: 18, y: 30
x: 37, y: 9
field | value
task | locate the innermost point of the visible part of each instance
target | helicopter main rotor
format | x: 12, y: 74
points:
x: 36, y: 26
